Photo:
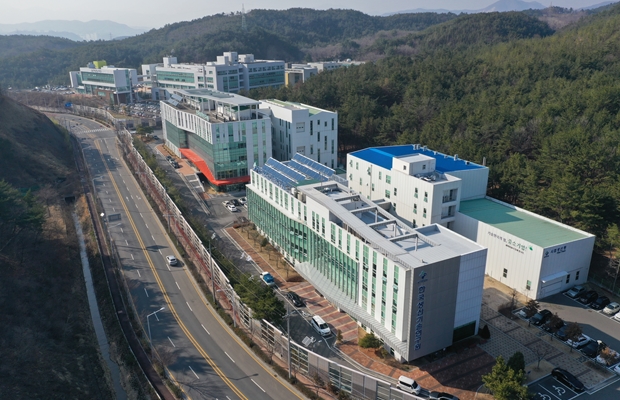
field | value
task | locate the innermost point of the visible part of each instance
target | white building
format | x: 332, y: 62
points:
x: 99, y: 79
x: 231, y: 73
x: 421, y: 186
x: 419, y: 290
x: 303, y: 129
x: 299, y: 73
x: 222, y: 134
x: 536, y: 256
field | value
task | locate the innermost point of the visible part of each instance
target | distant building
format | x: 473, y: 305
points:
x: 535, y: 255
x: 231, y: 73
x: 418, y: 290
x: 303, y: 129
x: 299, y: 73
x: 223, y: 135
x: 99, y: 79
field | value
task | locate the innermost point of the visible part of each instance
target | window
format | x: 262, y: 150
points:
x: 424, y: 213
x: 387, y: 194
x: 360, y: 181
x: 357, y: 165
x: 425, y: 196
x: 423, y: 166
x: 577, y: 276
x: 414, y: 224
x: 567, y: 278
x: 388, y: 179
x: 379, y: 175
x: 505, y: 273
x: 528, y: 285
x: 415, y: 208
x: 415, y: 194
x: 311, y: 149
x: 395, y: 191
x: 373, y: 187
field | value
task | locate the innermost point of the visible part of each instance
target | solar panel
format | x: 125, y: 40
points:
x: 306, y: 171
x: 278, y: 177
x: 310, y: 163
x: 291, y: 173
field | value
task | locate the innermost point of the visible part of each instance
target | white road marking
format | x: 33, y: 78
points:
x: 190, y: 308
x: 177, y: 285
x: 203, y: 327
x: 160, y: 252
x: 124, y: 182
x: 258, y: 385
x: 110, y: 200
x: 113, y: 209
x: 126, y: 242
x: 231, y: 359
x: 138, y: 271
x: 132, y: 257
x: 122, y: 230
x: 194, y: 372
x: 147, y: 293
x: 147, y: 227
x: 168, y: 267
x: 153, y: 237
x: 135, y: 205
x: 176, y: 346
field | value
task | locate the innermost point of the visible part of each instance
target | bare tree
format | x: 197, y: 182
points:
x: 541, y: 352
x: 573, y: 331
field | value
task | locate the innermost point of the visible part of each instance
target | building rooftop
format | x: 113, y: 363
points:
x: 535, y: 229
x: 300, y: 170
x: 296, y: 106
x: 228, y: 98
x: 407, y: 246
x: 383, y: 157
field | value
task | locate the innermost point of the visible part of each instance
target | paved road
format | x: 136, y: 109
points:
x: 201, y: 354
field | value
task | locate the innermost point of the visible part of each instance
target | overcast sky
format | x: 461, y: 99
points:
x: 156, y: 13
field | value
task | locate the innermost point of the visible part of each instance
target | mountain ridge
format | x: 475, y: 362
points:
x: 72, y: 29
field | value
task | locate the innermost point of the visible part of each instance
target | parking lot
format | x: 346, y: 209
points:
x: 549, y: 388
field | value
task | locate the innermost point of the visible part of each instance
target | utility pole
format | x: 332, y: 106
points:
x: 288, y: 333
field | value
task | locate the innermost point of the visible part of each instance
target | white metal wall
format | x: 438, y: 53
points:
x: 471, y: 282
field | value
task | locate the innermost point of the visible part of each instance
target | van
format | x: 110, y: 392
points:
x: 320, y: 326
x: 408, y: 385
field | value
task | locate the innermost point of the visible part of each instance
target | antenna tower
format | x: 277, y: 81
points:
x: 244, y: 27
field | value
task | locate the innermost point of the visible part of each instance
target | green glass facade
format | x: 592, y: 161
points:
x: 302, y: 243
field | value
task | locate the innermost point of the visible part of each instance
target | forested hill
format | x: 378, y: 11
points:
x: 543, y: 111
x: 20, y: 44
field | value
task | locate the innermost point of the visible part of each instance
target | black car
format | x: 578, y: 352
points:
x: 442, y: 396
x: 552, y: 326
x: 588, y: 297
x: 236, y: 202
x: 561, y: 333
x: 295, y: 299
x: 593, y: 348
x: 568, y: 379
x: 600, y: 303
x: 168, y: 158
x: 541, y: 317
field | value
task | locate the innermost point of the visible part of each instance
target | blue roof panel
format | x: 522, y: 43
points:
x: 383, y: 156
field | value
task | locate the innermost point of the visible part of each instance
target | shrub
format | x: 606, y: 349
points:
x: 517, y: 362
x: 370, y: 341
x: 485, y: 333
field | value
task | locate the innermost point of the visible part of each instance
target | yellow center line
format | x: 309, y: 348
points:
x: 162, y: 288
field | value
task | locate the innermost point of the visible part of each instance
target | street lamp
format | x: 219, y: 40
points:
x: 149, y: 328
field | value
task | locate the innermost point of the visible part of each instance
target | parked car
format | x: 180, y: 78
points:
x: 267, y: 278
x: 561, y: 333
x: 442, y: 396
x: 612, y: 308
x: 231, y: 208
x: 600, y: 303
x: 168, y: 158
x: 236, y: 202
x: 176, y: 165
x: 541, y: 317
x: 578, y: 343
x: 172, y: 260
x: 295, y: 299
x: 553, y: 325
x: 568, y: 379
x: 593, y: 348
x: 617, y: 369
x: 322, y: 328
x: 617, y: 317
x: 243, y: 200
x: 407, y: 384
x: 225, y: 203
x: 606, y: 362
x: 576, y: 291
x: 588, y: 297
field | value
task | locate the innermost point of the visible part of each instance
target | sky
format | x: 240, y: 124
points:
x: 157, y: 13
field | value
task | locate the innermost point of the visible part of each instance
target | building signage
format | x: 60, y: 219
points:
x: 420, y: 314
x: 557, y: 250
x: 513, y: 244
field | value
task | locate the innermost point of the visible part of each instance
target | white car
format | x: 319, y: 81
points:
x: 581, y: 341
x: 617, y: 317
x: 172, y: 260
x: 617, y: 369
x: 231, y: 208
x: 611, y: 309
x: 243, y: 200
x: 602, y: 361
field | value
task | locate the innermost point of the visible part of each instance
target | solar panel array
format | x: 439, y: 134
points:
x: 277, y: 177
x: 322, y: 169
x: 310, y: 173
x: 287, y: 171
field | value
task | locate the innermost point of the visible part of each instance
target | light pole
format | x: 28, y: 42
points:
x: 288, y: 333
x: 148, y: 324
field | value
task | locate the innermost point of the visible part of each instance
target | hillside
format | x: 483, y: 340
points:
x: 15, y: 45
x: 271, y: 34
x: 541, y: 110
x: 49, y: 349
x: 74, y: 30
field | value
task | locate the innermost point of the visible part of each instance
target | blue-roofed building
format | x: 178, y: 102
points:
x: 418, y: 185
